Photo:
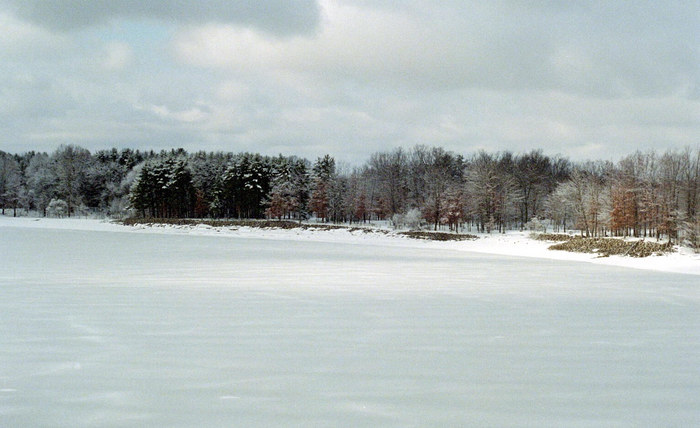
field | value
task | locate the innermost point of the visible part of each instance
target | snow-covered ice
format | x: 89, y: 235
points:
x: 108, y: 327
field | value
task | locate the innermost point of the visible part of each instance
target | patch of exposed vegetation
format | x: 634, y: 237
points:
x: 368, y: 230
x: 610, y: 246
x: 438, y: 236
x: 557, y: 237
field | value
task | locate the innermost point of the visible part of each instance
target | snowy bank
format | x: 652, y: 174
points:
x: 517, y: 244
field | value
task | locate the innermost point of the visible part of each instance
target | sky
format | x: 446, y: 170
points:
x: 584, y: 79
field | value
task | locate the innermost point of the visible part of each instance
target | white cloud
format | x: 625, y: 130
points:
x: 14, y: 30
x: 194, y: 114
x: 18, y: 35
x: 231, y: 90
x: 117, y: 56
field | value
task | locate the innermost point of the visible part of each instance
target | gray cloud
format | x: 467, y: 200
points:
x: 624, y: 50
x: 279, y: 17
x: 585, y: 79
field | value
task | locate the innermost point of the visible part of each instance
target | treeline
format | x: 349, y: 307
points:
x: 643, y: 195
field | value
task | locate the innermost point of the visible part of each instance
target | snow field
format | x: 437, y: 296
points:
x: 183, y: 328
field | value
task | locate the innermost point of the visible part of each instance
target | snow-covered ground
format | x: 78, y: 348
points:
x: 102, y: 325
x: 511, y: 244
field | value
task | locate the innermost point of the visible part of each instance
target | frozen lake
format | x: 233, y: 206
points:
x: 128, y: 329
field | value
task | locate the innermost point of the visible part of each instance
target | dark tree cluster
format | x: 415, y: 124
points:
x: 163, y: 188
x: 644, y: 194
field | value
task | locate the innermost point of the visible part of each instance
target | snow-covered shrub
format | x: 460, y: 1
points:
x: 120, y: 208
x: 82, y: 211
x: 397, y: 221
x: 57, y: 208
x: 412, y: 219
x: 535, y: 225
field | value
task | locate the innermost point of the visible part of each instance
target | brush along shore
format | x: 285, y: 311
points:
x: 606, y: 247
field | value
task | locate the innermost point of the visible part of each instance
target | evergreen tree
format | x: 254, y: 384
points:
x: 323, y: 174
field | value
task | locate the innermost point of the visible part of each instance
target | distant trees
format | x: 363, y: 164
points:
x: 208, y: 170
x: 289, y: 189
x: 323, y: 177
x: 10, y: 182
x: 643, y: 195
x: 41, y: 181
x: 689, y: 204
x: 70, y: 164
x: 442, y: 179
x: 657, y: 196
x: 387, y: 175
x: 85, y: 182
x: 492, y: 191
x: 109, y: 177
x: 245, y: 185
x: 163, y: 188
x: 536, y: 176
x: 583, y: 199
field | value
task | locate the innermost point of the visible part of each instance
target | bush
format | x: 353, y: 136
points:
x: 413, y: 219
x: 57, y: 208
x: 536, y: 225
x: 397, y: 221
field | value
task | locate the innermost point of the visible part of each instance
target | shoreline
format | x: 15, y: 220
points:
x: 514, y: 243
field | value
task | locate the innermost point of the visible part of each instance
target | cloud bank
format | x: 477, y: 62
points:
x: 584, y: 79
x: 278, y: 17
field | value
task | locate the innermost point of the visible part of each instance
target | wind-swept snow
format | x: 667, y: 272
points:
x: 185, y: 329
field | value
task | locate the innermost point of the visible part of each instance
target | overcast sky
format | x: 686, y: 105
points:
x: 585, y: 79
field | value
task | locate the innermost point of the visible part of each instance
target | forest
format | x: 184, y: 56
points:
x: 642, y: 195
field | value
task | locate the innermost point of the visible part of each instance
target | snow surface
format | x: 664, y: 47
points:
x: 510, y: 244
x: 101, y: 325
